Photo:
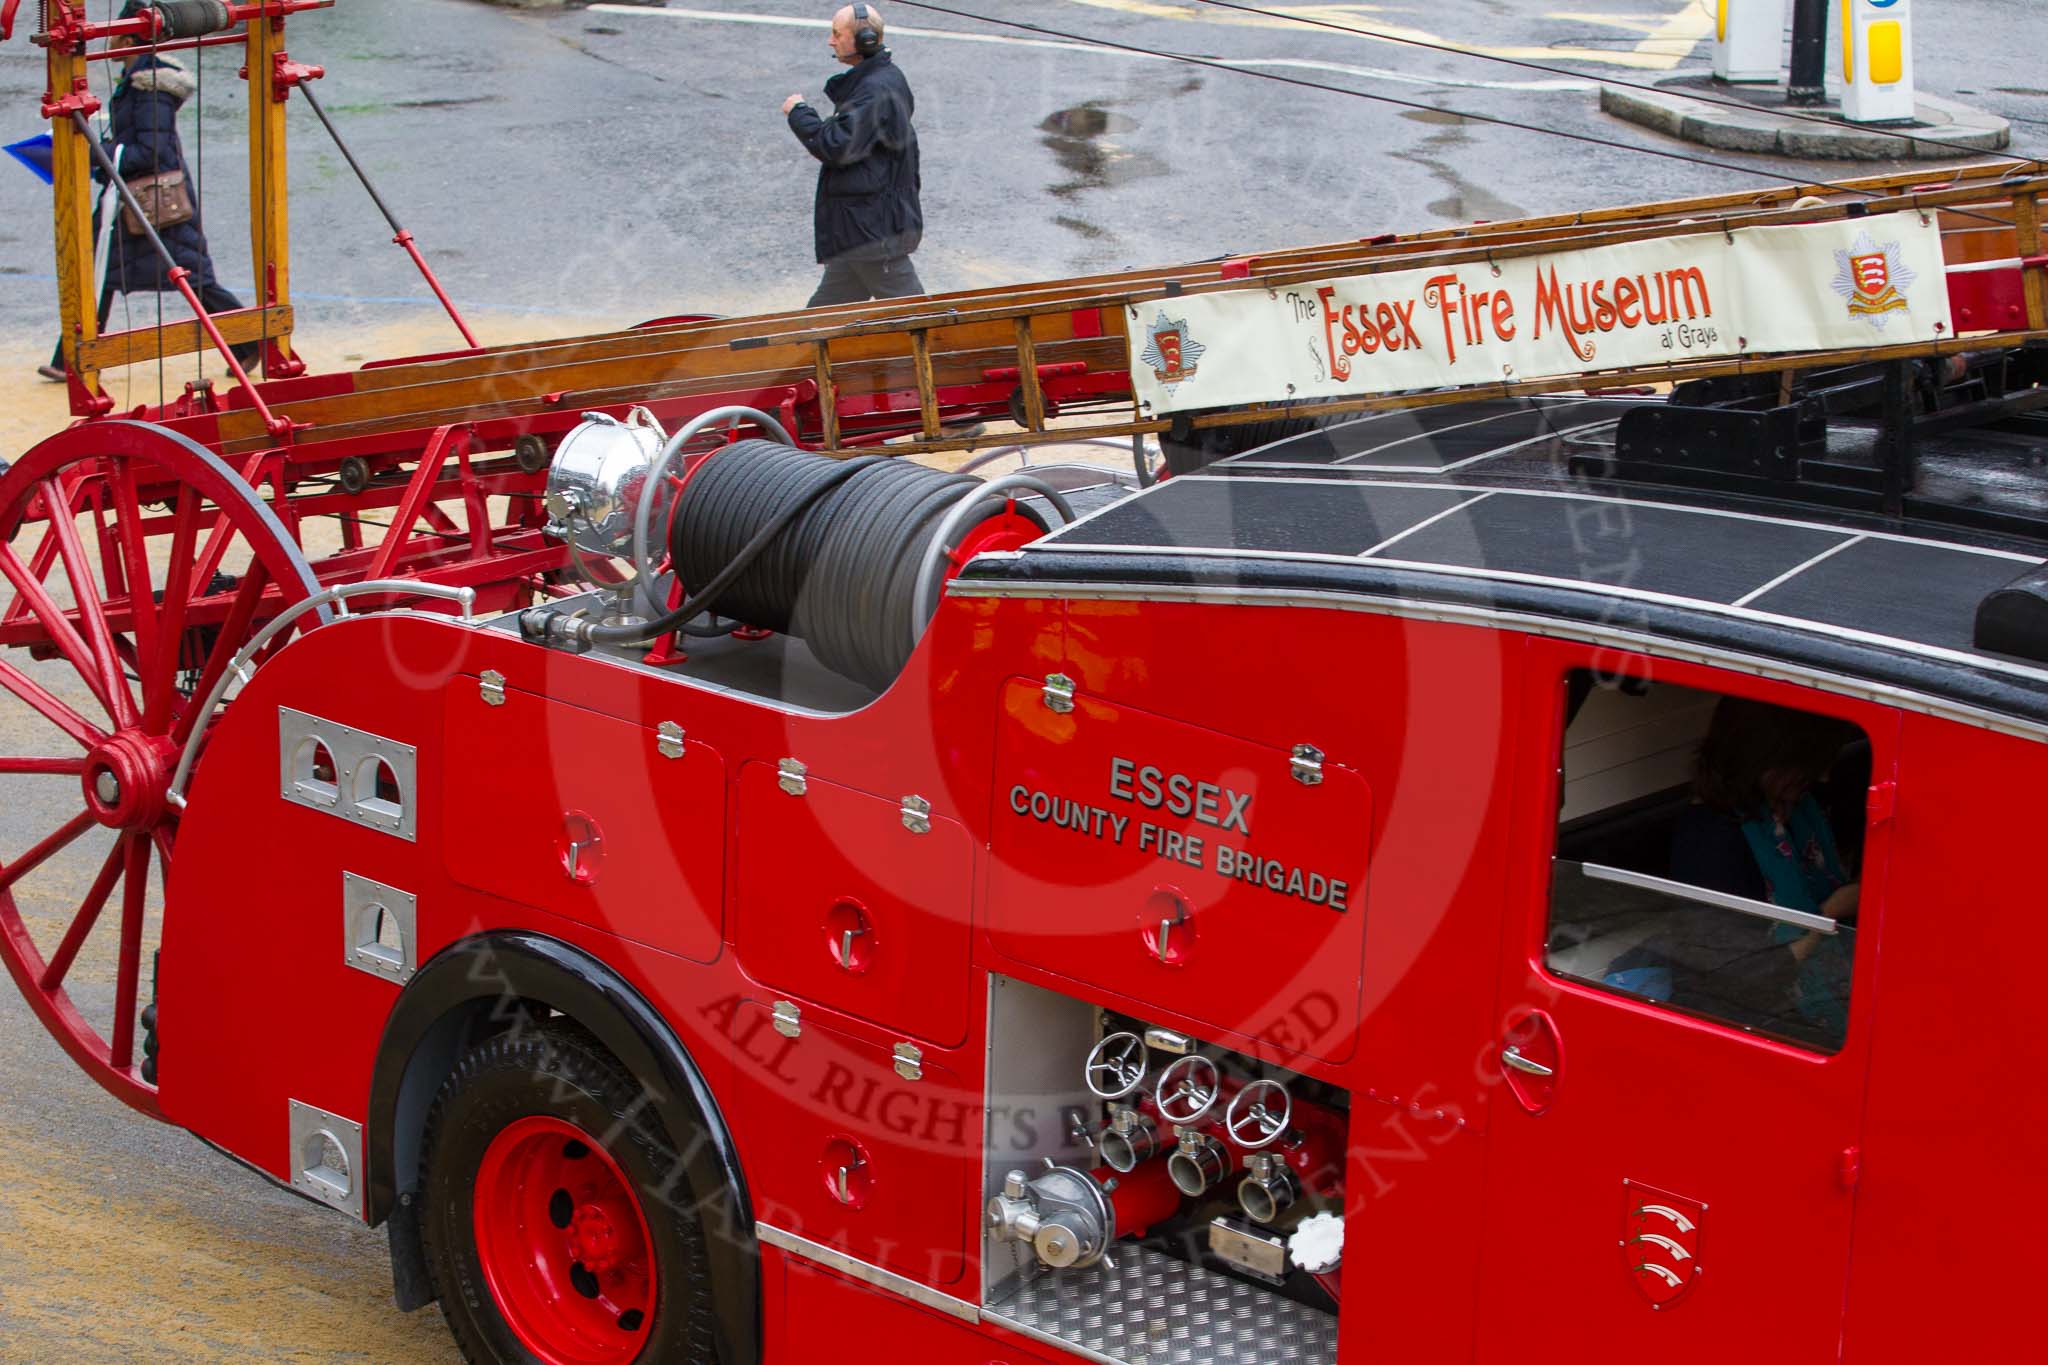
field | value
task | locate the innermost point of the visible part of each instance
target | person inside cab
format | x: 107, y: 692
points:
x: 1756, y: 828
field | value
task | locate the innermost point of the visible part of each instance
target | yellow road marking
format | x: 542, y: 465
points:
x: 1668, y: 41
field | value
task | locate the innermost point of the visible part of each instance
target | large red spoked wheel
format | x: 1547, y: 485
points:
x: 139, y: 563
x: 557, y: 1224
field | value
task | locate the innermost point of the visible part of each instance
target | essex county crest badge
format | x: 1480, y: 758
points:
x: 1870, y: 276
x: 1170, y: 352
x: 1660, y: 1242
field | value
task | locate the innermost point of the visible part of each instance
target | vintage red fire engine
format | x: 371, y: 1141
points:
x: 1525, y: 866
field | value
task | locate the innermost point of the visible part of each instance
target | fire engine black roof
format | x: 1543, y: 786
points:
x: 1472, y: 504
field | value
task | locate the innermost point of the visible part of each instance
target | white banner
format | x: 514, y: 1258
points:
x: 1858, y: 282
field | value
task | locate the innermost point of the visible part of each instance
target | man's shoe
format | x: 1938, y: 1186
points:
x: 53, y: 373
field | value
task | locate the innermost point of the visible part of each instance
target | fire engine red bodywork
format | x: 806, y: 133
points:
x: 1833, y: 1215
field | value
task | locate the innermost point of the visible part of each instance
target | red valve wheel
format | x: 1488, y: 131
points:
x: 139, y: 564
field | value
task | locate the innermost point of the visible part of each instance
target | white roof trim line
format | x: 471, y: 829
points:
x: 1796, y: 570
x: 1901, y: 538
x: 1985, y: 661
x: 1425, y: 522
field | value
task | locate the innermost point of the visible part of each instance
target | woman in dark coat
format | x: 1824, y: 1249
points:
x: 144, y: 114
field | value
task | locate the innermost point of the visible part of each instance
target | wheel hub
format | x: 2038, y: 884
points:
x: 594, y: 1239
x: 127, y: 779
x: 563, y: 1244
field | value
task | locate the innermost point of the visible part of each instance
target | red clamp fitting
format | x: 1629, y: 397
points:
x: 286, y: 73
x: 81, y: 100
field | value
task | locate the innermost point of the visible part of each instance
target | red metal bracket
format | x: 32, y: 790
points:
x: 81, y: 100
x: 419, y: 492
x: 70, y: 28
x: 84, y: 402
x: 7, y: 19
x: 286, y: 73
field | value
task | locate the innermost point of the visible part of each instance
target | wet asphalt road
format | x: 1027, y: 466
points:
x: 574, y: 169
x: 627, y: 163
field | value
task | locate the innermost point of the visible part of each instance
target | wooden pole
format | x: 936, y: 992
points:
x: 71, y: 207
x: 1027, y: 375
x: 828, y: 397
x: 927, y: 388
x: 269, y: 215
x: 2033, y: 278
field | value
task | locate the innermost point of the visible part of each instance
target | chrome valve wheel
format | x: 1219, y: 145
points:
x: 1259, y: 1115
x: 1188, y: 1090
x: 1116, y: 1066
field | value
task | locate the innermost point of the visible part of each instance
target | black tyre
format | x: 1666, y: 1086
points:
x: 557, y: 1224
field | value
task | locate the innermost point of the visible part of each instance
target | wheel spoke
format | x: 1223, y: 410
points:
x: 48, y: 707
x: 160, y: 674
x: 234, y: 632
x: 88, y: 915
x: 39, y: 567
x: 134, y: 893
x: 223, y: 530
x: 91, y: 613
x: 31, y: 592
x: 35, y: 857
x: 24, y: 767
x: 142, y: 608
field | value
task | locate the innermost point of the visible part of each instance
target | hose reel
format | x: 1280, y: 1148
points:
x: 847, y: 555
x: 850, y: 574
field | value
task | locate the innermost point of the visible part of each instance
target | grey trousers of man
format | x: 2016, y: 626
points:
x: 851, y: 281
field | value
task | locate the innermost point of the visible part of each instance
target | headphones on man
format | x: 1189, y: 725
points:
x: 866, y: 41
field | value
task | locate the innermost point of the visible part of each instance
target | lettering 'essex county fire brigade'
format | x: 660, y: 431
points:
x: 1506, y: 839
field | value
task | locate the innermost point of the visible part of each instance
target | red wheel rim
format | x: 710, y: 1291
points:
x: 98, y: 632
x: 563, y: 1244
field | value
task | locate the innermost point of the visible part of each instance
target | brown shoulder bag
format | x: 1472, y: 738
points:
x: 165, y: 198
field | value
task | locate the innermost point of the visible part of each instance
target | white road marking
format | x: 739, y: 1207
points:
x: 1248, y: 63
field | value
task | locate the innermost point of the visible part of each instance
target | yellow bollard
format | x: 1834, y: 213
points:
x: 1877, y: 61
x: 1749, y: 40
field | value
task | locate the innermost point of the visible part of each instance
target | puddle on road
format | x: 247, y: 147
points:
x: 1466, y: 201
x: 1081, y: 140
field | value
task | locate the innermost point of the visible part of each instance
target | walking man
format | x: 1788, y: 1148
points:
x: 867, y: 219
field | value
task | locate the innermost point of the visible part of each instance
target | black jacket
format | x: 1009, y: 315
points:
x: 144, y: 112
x: 867, y: 187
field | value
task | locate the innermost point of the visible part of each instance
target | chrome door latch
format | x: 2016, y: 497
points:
x: 917, y: 815
x: 668, y: 738
x: 790, y: 776
x: 1059, y: 693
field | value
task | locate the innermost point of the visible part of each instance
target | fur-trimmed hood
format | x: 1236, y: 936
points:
x: 164, y: 75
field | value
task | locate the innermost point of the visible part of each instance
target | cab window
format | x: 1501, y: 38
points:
x: 1708, y: 855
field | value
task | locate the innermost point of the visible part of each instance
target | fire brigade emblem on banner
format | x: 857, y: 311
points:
x: 1170, y: 351
x: 1870, y: 277
x: 1660, y: 1241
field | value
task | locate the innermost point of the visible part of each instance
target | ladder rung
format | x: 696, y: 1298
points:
x: 145, y: 344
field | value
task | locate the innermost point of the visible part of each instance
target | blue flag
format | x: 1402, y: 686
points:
x: 34, y: 153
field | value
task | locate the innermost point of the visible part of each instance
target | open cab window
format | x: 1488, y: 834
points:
x: 1708, y: 854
